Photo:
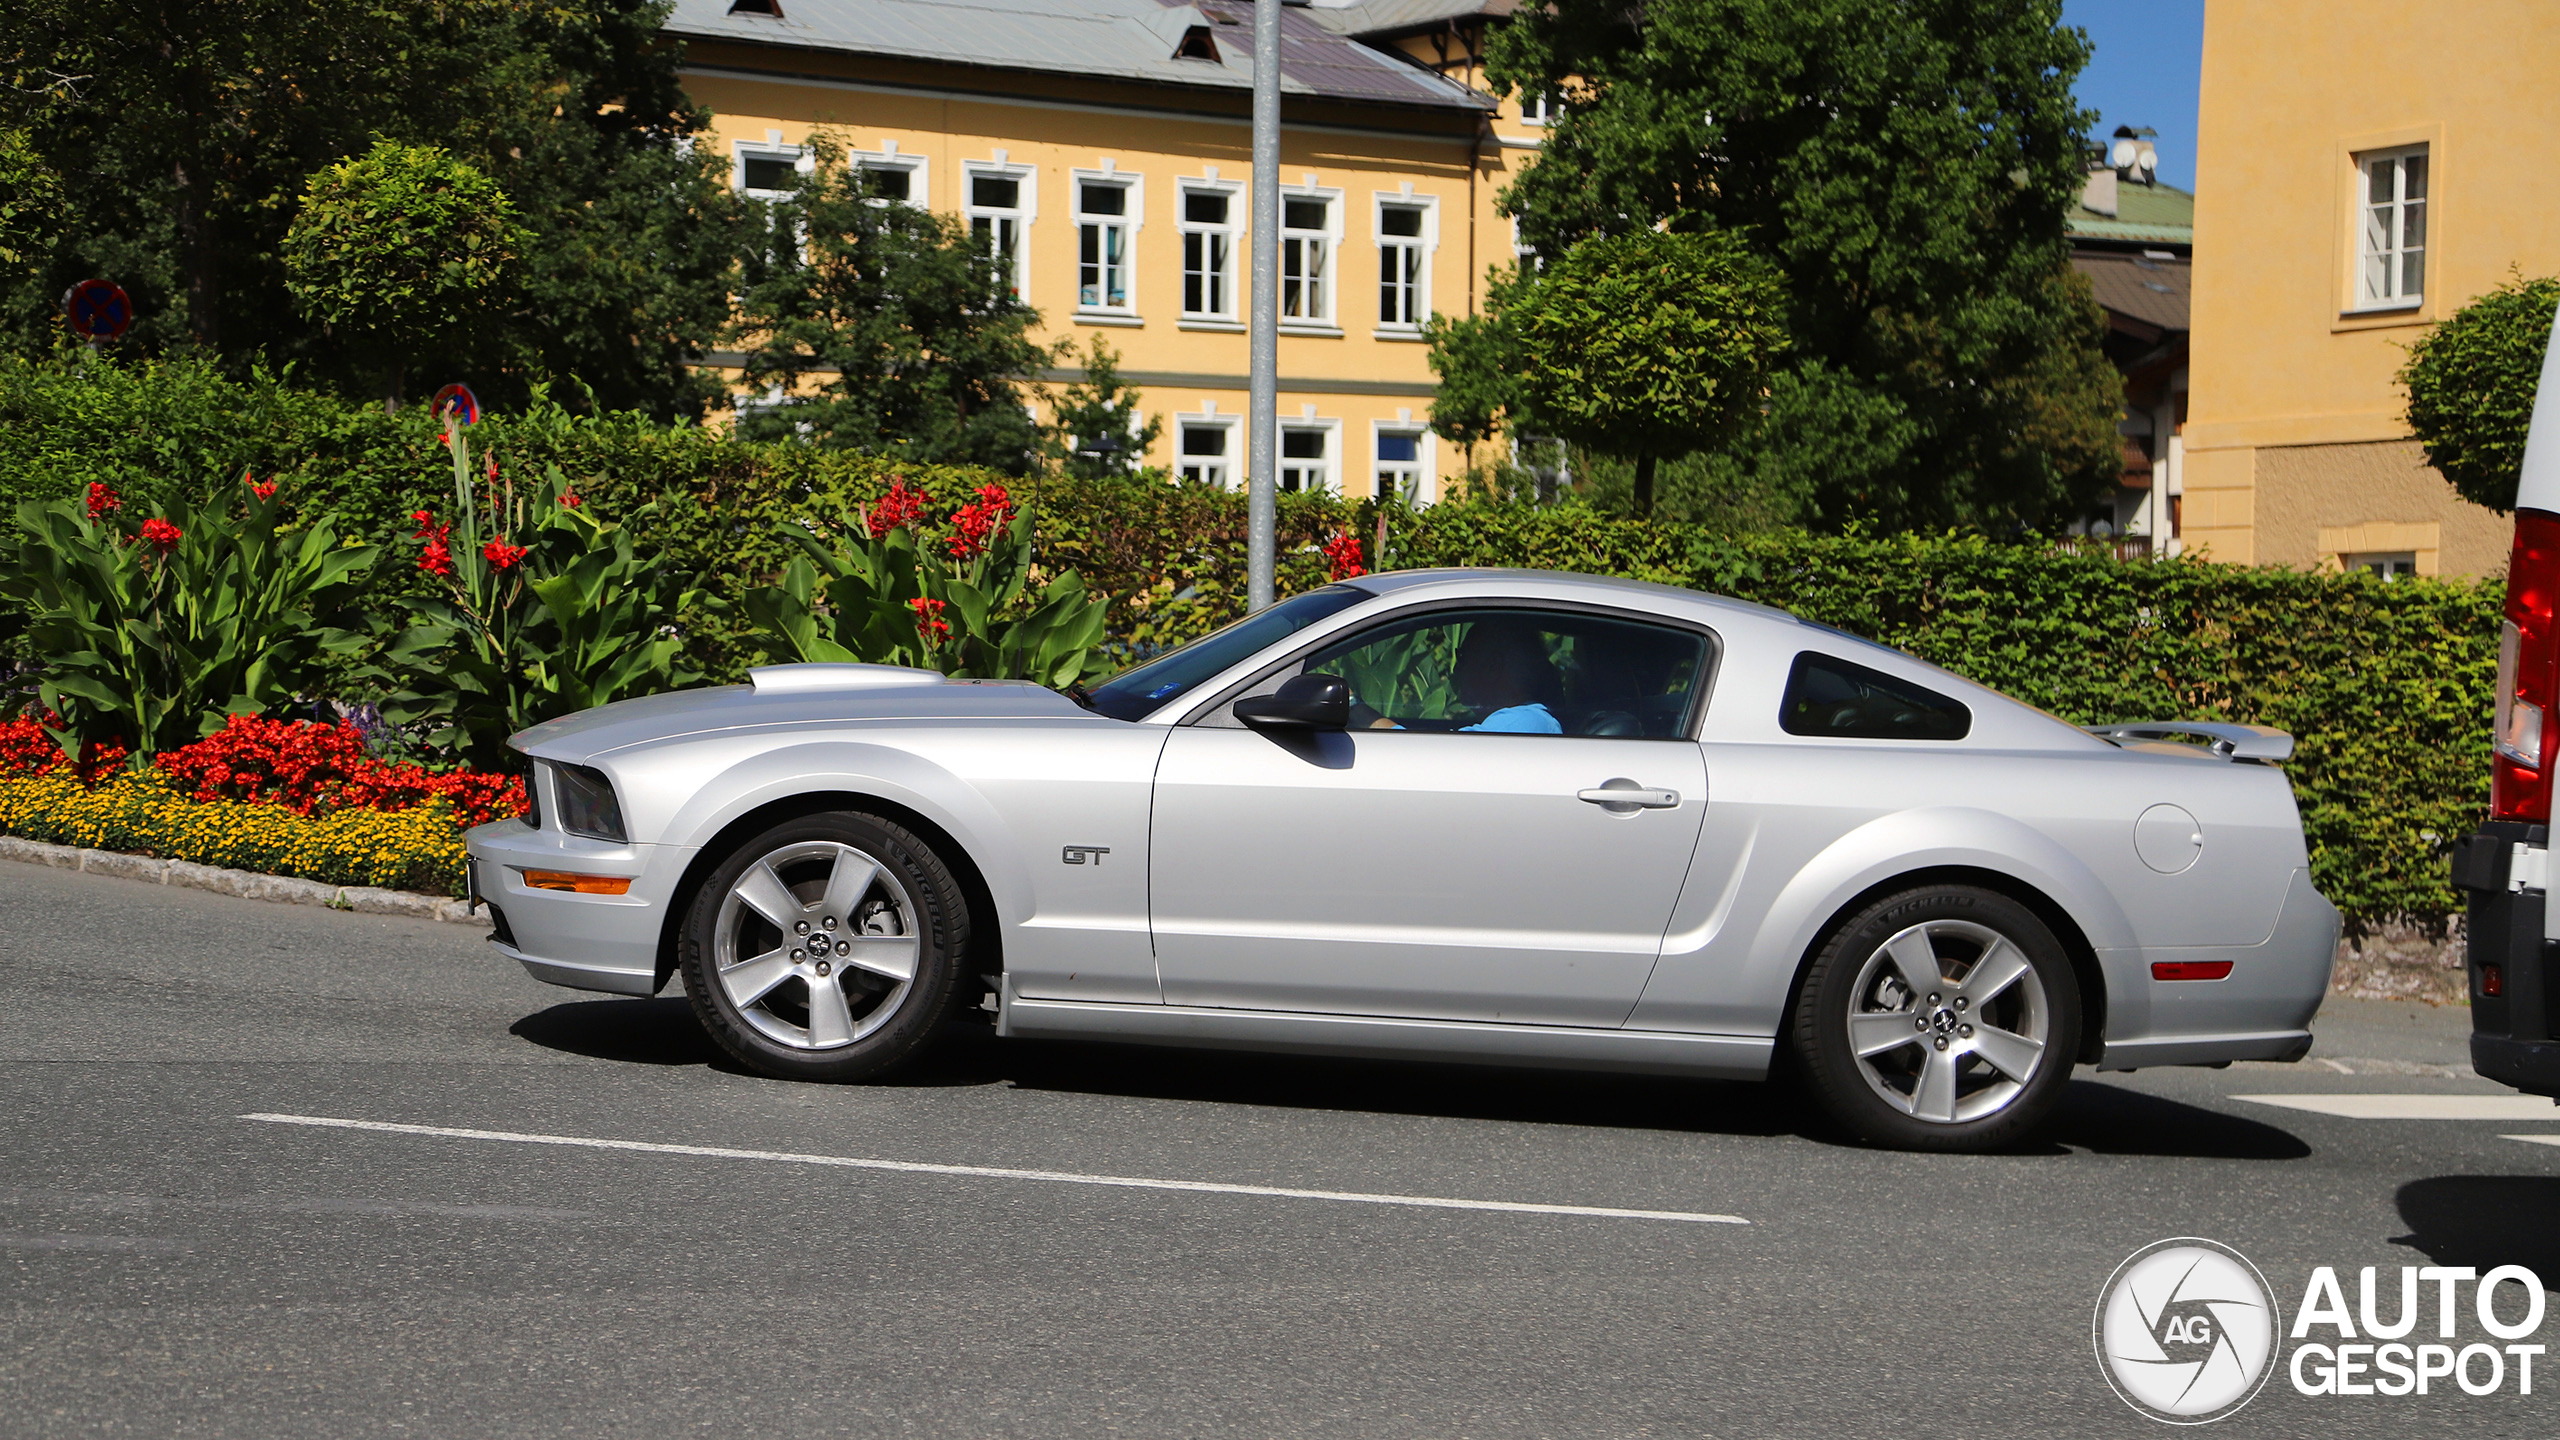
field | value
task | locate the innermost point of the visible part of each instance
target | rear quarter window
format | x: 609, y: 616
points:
x: 1830, y: 696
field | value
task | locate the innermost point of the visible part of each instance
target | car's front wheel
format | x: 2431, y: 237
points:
x: 830, y: 947
x: 1941, y: 1018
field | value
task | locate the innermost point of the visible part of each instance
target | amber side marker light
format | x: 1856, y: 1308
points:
x: 601, y: 884
x: 2190, y: 969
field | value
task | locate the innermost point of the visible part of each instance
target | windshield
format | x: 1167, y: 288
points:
x: 1136, y: 694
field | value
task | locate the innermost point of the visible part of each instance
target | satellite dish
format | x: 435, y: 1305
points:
x: 2123, y: 155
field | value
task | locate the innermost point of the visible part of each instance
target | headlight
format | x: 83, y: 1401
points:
x: 587, y: 805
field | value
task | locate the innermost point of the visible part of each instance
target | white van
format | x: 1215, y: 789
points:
x: 2504, y: 867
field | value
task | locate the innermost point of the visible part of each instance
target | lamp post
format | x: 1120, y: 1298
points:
x: 1262, y: 412
x: 1104, y: 447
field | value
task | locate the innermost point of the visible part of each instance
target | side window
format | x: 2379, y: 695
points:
x: 1534, y: 672
x: 1830, y: 696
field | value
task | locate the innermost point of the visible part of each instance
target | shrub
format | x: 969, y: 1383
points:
x: 2471, y: 383
x: 312, y: 768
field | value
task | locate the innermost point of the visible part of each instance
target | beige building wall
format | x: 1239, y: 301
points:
x: 1349, y: 375
x: 2296, y: 452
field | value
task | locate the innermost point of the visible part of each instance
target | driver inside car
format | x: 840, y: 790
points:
x: 1502, y: 668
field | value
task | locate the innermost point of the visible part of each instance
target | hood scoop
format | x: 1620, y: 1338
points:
x: 810, y: 679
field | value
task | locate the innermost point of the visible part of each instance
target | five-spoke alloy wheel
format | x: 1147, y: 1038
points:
x: 1944, y: 1018
x: 827, y: 948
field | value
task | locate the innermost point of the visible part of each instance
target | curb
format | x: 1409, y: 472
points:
x: 245, y: 884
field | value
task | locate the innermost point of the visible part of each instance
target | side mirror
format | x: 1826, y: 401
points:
x: 1303, y: 702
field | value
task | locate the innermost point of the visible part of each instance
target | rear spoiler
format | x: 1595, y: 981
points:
x: 2232, y: 742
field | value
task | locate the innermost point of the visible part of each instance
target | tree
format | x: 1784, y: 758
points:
x: 1639, y: 345
x: 31, y: 205
x: 185, y: 130
x: 399, y: 246
x: 1905, y: 168
x: 2471, y: 383
x: 1099, y: 406
x: 881, y: 327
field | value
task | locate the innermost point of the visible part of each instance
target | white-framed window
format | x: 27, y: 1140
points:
x: 1307, y: 455
x: 2391, y: 228
x: 1212, y: 214
x: 1204, y: 448
x: 2389, y: 564
x: 890, y: 175
x: 1403, y: 468
x: 1537, y: 107
x: 766, y: 171
x: 1310, y: 232
x: 1408, y: 231
x: 1108, y: 205
x: 1001, y: 200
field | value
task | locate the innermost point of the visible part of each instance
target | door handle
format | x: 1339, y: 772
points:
x: 1626, y: 797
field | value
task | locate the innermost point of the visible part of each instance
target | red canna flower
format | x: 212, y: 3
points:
x: 901, y: 506
x: 261, y: 489
x: 1342, y: 556
x: 502, y: 554
x: 102, y: 499
x: 493, y: 469
x: 437, y: 558
x: 570, y: 499
x: 161, y: 535
x: 930, y: 626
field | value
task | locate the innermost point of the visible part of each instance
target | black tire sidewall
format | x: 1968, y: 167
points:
x: 942, y: 927
x: 1820, y: 1032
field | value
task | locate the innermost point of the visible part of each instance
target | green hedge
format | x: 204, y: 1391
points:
x: 2386, y: 687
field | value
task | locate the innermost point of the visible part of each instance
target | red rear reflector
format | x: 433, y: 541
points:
x: 598, y: 884
x: 2190, y: 969
x: 2492, y: 984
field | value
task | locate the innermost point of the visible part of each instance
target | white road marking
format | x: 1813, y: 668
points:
x: 2416, y: 1107
x: 998, y: 1172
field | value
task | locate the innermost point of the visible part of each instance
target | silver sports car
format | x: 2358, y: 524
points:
x: 1489, y: 816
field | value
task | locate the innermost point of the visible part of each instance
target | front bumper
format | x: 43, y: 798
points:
x: 585, y: 942
x: 2514, y: 1038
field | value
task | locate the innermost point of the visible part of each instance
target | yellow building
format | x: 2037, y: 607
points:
x: 1105, y: 147
x: 2363, y: 169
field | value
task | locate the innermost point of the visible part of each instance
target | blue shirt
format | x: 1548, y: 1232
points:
x: 1519, y: 720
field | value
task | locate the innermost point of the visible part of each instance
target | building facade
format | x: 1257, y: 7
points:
x: 1104, y: 149
x: 2133, y: 237
x: 2363, y: 171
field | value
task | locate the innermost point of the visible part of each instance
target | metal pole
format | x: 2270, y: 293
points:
x: 1262, y: 411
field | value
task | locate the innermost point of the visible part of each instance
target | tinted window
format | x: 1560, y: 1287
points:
x: 1136, y: 694
x: 1830, y: 696
x: 1535, y: 672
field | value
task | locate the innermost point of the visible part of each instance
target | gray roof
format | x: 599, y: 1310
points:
x: 2151, y: 290
x: 1379, y: 17
x: 1109, y: 39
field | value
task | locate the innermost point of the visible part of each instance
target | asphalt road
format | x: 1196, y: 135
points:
x: 168, y: 1268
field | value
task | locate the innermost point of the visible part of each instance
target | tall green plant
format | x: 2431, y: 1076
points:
x: 2471, y: 383
x: 546, y: 610
x: 884, y: 592
x: 150, y: 634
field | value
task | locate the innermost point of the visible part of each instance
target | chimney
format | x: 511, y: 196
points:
x: 2098, y: 192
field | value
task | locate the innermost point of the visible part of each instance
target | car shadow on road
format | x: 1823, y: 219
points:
x: 2112, y: 1120
x: 2093, y: 1116
x: 2485, y: 1221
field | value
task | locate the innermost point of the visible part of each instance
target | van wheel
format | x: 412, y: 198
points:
x: 827, y: 948
x: 1942, y: 1018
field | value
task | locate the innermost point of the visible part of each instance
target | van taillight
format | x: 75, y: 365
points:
x: 2528, y: 673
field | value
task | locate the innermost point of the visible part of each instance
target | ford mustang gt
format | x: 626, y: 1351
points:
x: 1498, y: 817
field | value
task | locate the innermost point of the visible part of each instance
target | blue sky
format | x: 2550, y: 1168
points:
x: 2144, y: 72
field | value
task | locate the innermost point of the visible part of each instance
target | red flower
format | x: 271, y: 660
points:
x: 426, y: 525
x: 570, y: 499
x: 502, y: 554
x: 261, y: 490
x: 1342, y: 555
x: 102, y: 499
x: 162, y: 535
x: 308, y: 768
x: 972, y: 524
x: 437, y: 558
x: 493, y: 469
x: 901, y: 506
x: 930, y: 625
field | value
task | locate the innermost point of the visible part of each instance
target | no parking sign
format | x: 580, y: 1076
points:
x: 99, y: 310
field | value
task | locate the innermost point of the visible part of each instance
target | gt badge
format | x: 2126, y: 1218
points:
x: 1075, y: 854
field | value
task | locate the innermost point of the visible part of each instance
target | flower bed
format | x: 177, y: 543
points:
x: 277, y: 797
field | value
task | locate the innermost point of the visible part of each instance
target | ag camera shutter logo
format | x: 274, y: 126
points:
x: 2186, y: 1330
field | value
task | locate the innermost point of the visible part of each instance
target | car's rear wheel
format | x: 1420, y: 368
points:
x: 1942, y: 1018
x: 830, y: 947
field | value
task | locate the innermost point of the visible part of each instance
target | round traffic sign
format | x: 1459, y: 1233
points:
x: 457, y: 400
x: 99, y: 309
